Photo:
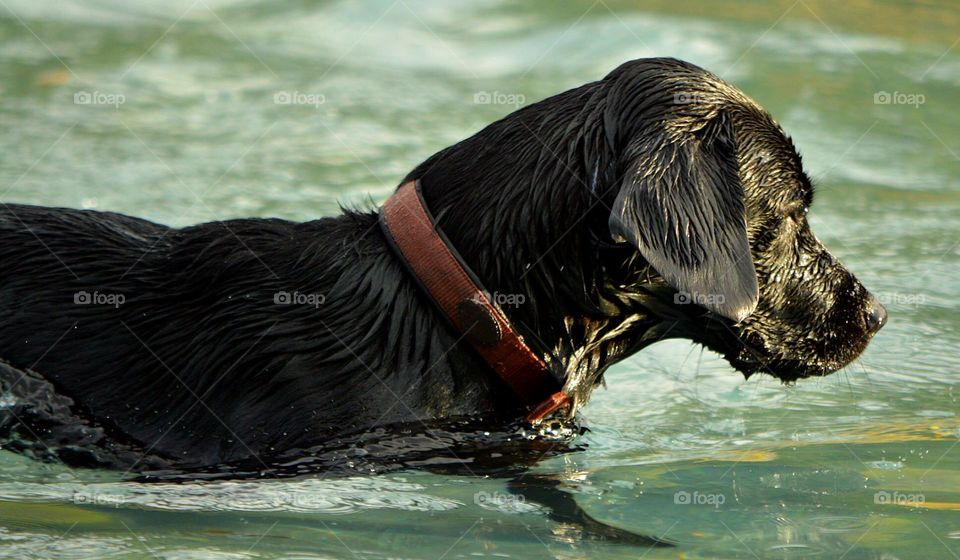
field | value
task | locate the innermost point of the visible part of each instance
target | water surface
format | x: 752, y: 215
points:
x: 181, y: 123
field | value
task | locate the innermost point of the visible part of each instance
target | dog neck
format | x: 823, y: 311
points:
x: 538, y: 241
x: 410, y: 229
x: 527, y: 202
x: 580, y: 302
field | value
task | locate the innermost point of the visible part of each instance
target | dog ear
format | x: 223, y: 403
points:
x: 682, y: 205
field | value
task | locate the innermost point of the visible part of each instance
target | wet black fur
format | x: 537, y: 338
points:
x: 567, y: 202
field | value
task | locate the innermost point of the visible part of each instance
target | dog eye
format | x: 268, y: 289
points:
x: 798, y: 211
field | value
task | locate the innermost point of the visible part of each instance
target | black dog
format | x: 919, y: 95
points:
x: 657, y: 202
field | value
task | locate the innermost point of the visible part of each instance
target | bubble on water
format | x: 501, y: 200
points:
x: 728, y: 426
x: 936, y: 413
x: 318, y: 496
x: 838, y: 524
x: 885, y: 465
x: 787, y: 550
x: 872, y: 405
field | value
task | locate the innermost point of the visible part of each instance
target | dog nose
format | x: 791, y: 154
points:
x: 876, y: 316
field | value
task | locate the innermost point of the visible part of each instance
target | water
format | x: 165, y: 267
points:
x: 863, y: 464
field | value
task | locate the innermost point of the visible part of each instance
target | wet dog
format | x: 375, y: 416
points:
x: 657, y: 202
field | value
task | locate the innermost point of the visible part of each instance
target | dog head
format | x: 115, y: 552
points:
x: 713, y: 196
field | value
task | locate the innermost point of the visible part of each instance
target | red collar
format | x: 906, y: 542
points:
x: 449, y: 282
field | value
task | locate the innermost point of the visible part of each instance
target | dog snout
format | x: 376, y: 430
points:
x: 875, y: 315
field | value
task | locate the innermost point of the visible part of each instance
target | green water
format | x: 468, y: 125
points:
x: 185, y: 128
